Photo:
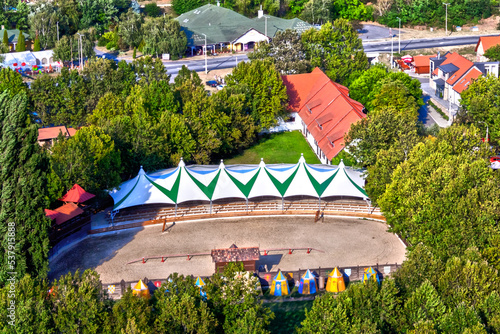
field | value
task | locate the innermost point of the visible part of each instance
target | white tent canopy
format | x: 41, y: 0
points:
x: 209, y: 183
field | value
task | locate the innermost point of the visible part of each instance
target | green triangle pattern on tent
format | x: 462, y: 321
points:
x: 354, y: 184
x: 320, y: 187
x: 244, y: 188
x: 207, y: 190
x: 282, y: 187
x: 125, y: 197
x: 172, y: 193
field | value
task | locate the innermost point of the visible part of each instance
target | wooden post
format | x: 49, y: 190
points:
x: 358, y: 273
x: 145, y: 281
x: 122, y: 286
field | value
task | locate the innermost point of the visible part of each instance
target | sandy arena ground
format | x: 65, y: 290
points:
x: 345, y: 241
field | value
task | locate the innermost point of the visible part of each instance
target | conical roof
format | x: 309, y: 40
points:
x: 308, y: 275
x: 77, y: 195
x: 140, y: 286
x: 280, y: 277
x: 335, y: 273
x: 370, y: 271
x: 199, y: 282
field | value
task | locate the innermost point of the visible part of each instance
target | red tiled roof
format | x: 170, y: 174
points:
x: 488, y: 42
x: 325, y: 107
x: 462, y: 63
x: 51, y: 214
x: 299, y: 85
x: 54, y: 131
x: 464, y: 83
x: 66, y: 212
x: 77, y: 195
x: 422, y: 60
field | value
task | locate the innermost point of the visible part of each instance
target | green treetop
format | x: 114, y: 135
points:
x: 21, y: 44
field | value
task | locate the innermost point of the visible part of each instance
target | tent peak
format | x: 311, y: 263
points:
x: 221, y: 166
x: 301, y: 159
x: 181, y: 163
x: 141, y: 171
x: 262, y: 163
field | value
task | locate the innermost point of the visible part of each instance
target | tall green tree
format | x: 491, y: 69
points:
x: 493, y: 53
x: 66, y: 49
x: 480, y: 106
x: 164, y: 35
x: 21, y: 43
x: 5, y: 38
x: 286, y: 51
x: 43, y: 20
x: 12, y: 82
x: 443, y: 195
x: 23, y: 186
x: 317, y: 12
x: 337, y: 50
x: 36, y: 46
x: 88, y: 158
x: 265, y: 87
x: 130, y: 29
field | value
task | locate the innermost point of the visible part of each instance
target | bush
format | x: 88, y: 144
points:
x: 102, y: 41
x: 152, y: 9
x: 112, y: 46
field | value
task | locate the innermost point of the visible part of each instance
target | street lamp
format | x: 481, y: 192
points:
x: 392, y: 50
x: 206, y: 66
x: 399, y: 36
x: 446, y: 4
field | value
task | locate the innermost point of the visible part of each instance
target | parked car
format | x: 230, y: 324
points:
x: 212, y: 83
x: 495, y: 159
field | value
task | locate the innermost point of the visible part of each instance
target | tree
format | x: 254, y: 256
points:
x: 362, y: 89
x: 265, y: 88
x: 21, y: 43
x: 12, y: 82
x: 164, y: 35
x: 336, y: 49
x: 436, y: 196
x: 317, y: 12
x: 66, y: 49
x: 88, y: 158
x: 152, y: 10
x: 5, y: 38
x: 130, y: 29
x: 36, y: 46
x: 23, y: 187
x: 480, y: 106
x: 80, y: 304
x: 424, y: 305
x: 43, y: 23
x: 352, y: 10
x: 380, y: 131
x: 493, y: 53
x: 182, y: 6
x: 286, y: 51
x: 132, y: 308
x: 394, y: 95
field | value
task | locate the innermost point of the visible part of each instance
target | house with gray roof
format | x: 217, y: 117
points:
x: 223, y: 27
x: 13, y: 35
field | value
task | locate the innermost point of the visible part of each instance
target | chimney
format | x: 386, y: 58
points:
x: 439, y: 54
x: 260, y: 12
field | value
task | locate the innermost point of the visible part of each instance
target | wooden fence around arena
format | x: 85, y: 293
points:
x: 157, y: 214
x: 351, y: 274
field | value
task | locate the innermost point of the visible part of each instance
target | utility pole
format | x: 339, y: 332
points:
x: 206, y: 66
x: 446, y: 4
x: 392, y: 50
x: 265, y: 17
x: 81, y: 51
x: 58, y: 31
x: 399, y: 37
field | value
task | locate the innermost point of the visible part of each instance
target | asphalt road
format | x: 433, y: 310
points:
x: 385, y: 46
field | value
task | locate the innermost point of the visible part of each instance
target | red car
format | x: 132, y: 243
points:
x: 493, y: 159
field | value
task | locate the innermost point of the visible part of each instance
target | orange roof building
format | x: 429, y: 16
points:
x: 324, y: 109
x: 422, y: 64
x: 47, y: 135
x: 64, y: 213
x: 484, y: 44
x: 451, y: 74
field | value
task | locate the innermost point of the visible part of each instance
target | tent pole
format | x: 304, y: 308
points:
x: 319, y: 202
x: 175, y: 210
x: 282, y: 204
x: 246, y: 199
x: 210, y: 206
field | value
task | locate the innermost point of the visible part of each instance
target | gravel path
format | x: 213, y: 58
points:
x: 345, y: 241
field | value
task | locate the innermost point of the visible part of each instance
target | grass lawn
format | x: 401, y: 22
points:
x: 288, y: 315
x: 284, y: 147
